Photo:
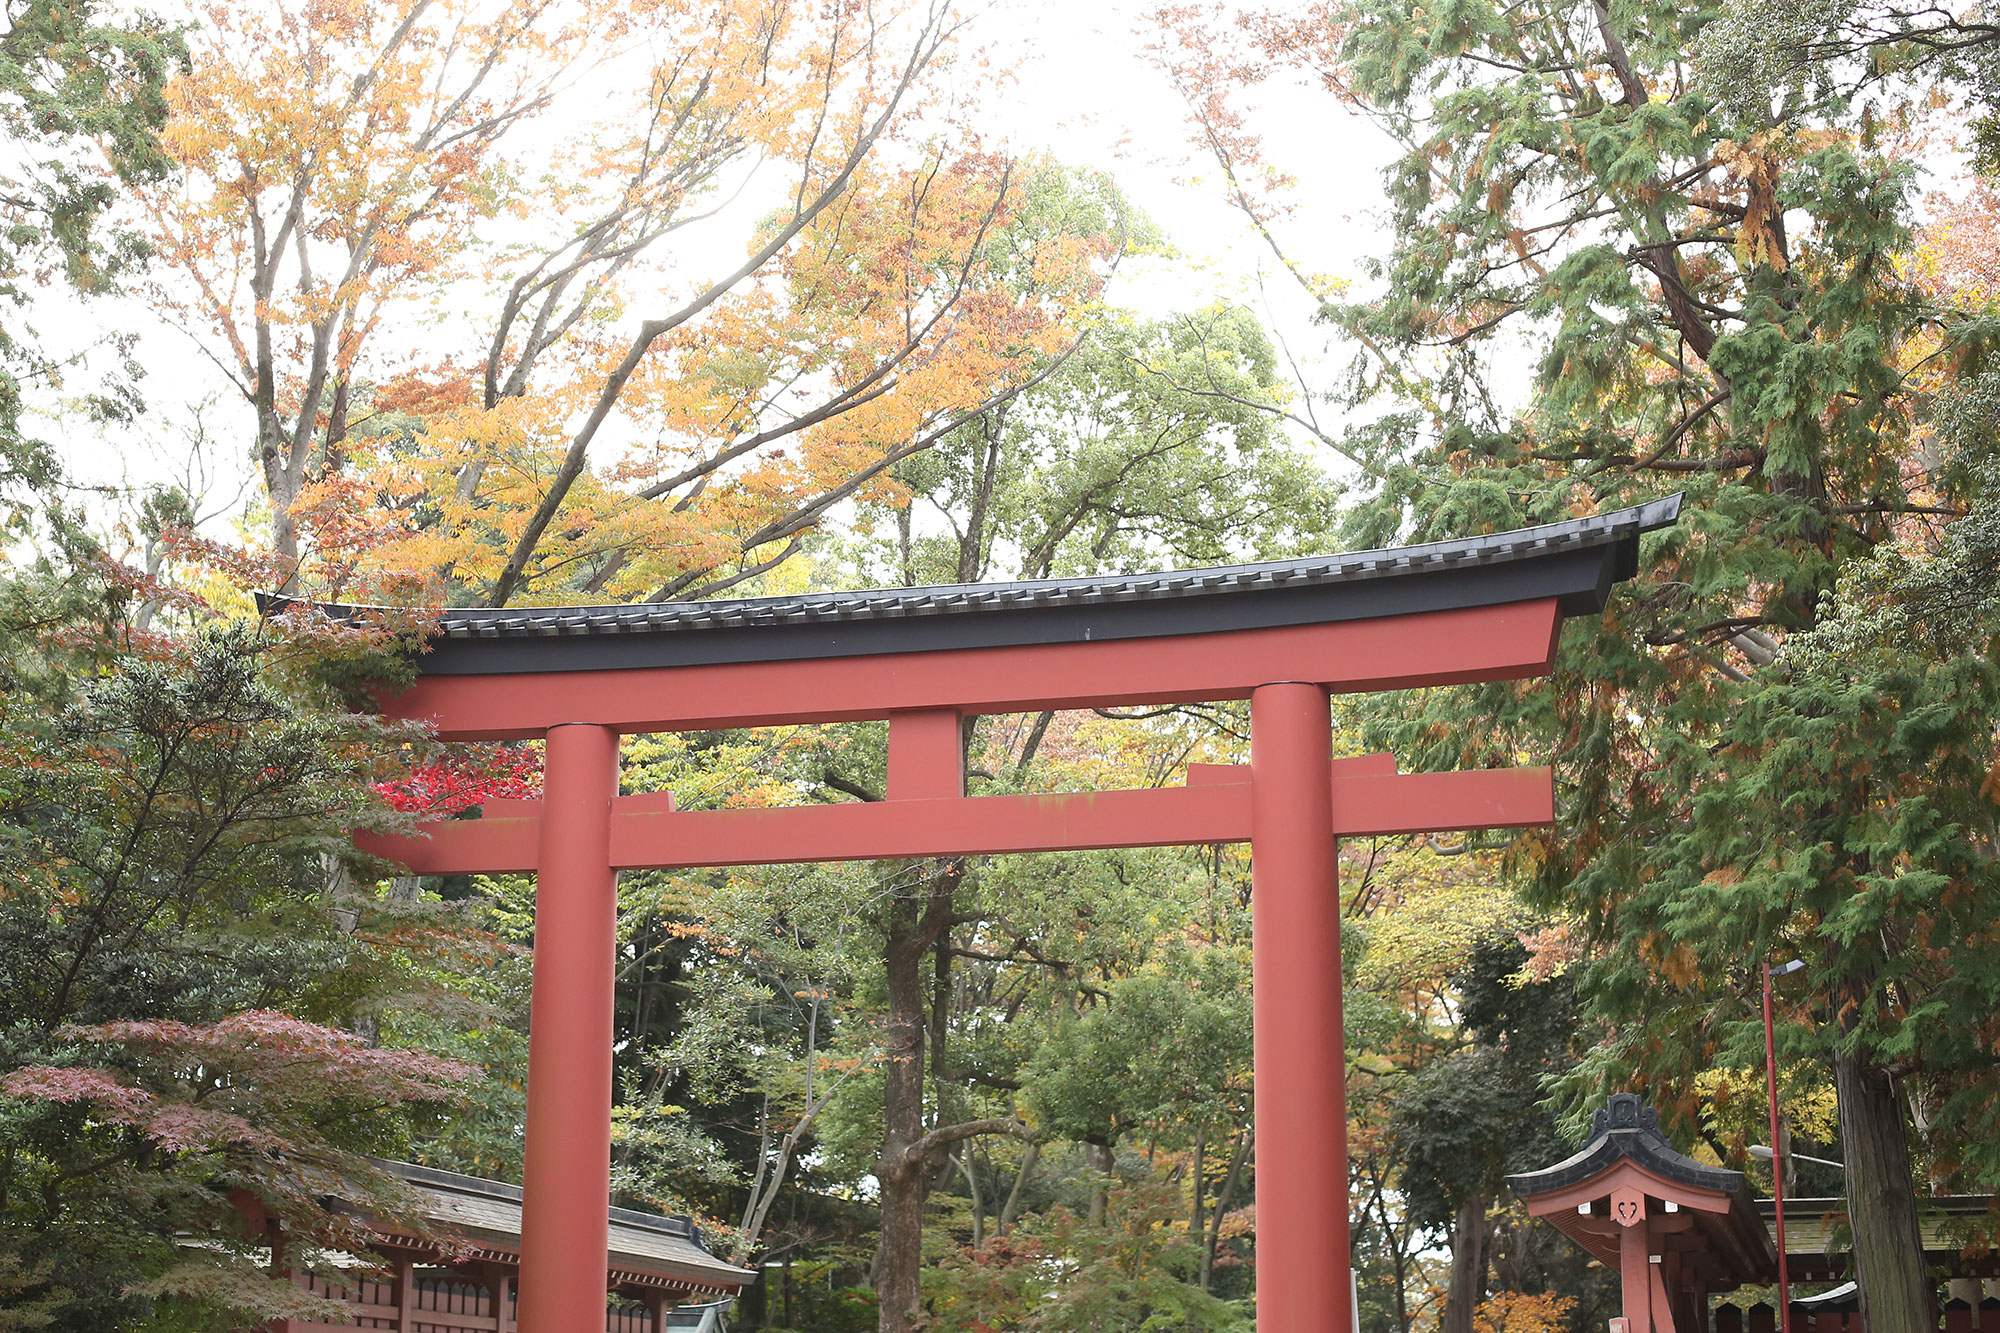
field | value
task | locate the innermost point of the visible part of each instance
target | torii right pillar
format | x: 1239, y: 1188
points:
x: 1301, y: 1150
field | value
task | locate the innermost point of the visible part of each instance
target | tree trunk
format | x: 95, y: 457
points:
x: 1102, y: 1157
x: 1896, y: 1292
x: 964, y: 1162
x: 1012, y: 1208
x: 1468, y: 1265
x: 283, y: 483
x: 1200, y: 1182
x: 1237, y: 1158
x: 900, y: 1172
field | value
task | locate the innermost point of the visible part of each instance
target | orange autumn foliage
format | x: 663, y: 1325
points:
x: 441, y: 249
x: 1513, y: 1312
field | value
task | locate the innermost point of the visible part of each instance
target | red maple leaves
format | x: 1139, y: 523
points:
x: 239, y: 1083
x: 445, y: 788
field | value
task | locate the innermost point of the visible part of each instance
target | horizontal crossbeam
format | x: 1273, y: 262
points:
x: 1503, y: 642
x: 647, y: 833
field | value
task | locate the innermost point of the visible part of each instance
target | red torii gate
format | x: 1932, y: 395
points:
x: 1281, y: 634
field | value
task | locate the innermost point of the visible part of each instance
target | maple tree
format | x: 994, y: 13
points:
x: 178, y: 804
x: 1514, y: 1313
x: 258, y: 1107
x: 440, y: 788
x: 598, y: 422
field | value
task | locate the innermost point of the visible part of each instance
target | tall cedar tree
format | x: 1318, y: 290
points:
x: 1605, y: 284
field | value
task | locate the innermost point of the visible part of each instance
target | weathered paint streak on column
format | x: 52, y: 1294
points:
x: 1303, y: 1250
x: 566, y: 1182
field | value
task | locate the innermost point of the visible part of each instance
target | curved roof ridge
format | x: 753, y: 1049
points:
x: 1574, y: 562
x: 1625, y: 1127
x: 1593, y: 530
x: 1596, y: 529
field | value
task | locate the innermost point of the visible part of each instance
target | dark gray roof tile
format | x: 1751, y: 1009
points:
x: 1625, y: 1128
x: 1575, y: 562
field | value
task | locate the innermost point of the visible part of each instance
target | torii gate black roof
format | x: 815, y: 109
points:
x: 1574, y: 562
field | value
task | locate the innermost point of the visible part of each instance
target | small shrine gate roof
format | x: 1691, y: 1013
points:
x: 1625, y: 1129
x: 1675, y: 1229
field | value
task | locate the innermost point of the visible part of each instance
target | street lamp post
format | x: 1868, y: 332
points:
x: 1777, y: 1144
x: 1762, y: 1152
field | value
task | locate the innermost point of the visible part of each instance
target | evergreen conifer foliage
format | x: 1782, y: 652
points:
x: 1607, y: 283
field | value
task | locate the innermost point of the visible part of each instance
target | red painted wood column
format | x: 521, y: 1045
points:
x: 1635, y: 1276
x: 566, y: 1179
x: 1303, y: 1252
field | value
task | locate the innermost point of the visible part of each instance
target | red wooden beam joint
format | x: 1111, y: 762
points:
x: 926, y: 754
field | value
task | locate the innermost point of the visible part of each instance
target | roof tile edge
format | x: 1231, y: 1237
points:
x: 1462, y: 553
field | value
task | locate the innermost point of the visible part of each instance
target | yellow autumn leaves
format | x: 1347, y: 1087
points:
x: 593, y: 302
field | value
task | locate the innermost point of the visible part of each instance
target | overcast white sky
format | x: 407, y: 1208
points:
x: 1084, y: 92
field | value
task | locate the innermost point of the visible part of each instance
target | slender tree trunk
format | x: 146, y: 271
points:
x: 1012, y: 1208
x: 1237, y: 1157
x: 964, y: 1161
x: 1102, y: 1157
x: 1896, y: 1292
x: 1200, y: 1183
x: 281, y: 488
x: 898, y: 1246
x: 1967, y: 1289
x: 1468, y: 1264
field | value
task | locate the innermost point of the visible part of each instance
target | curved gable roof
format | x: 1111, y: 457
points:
x: 1625, y: 1129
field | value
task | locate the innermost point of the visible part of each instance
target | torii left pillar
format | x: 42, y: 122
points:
x: 565, y: 1229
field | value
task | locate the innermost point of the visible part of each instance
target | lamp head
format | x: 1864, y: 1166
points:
x: 1786, y: 969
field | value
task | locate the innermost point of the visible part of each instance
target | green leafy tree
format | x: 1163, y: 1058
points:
x: 1127, y: 1271
x: 1105, y: 464
x: 1469, y: 1118
x: 1792, y: 56
x: 1165, y: 1051
x: 83, y: 91
x: 236, y: 1131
